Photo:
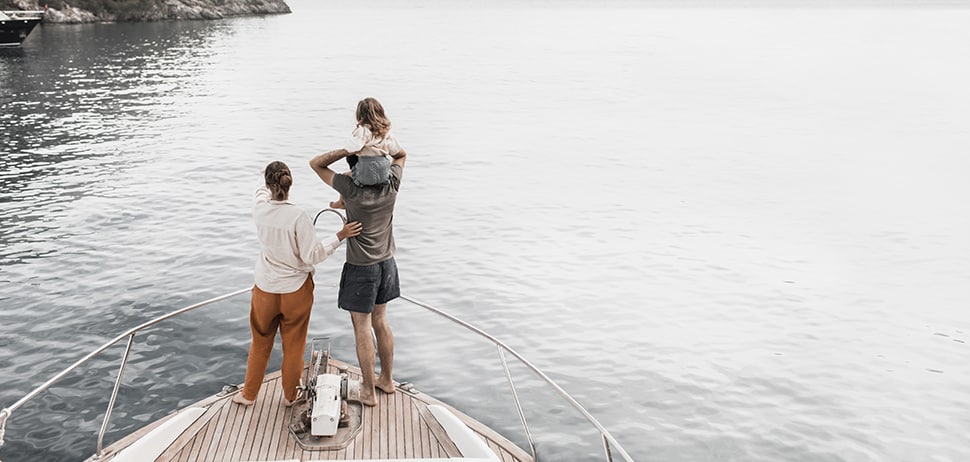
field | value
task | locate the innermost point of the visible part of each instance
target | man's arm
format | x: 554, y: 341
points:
x: 321, y: 164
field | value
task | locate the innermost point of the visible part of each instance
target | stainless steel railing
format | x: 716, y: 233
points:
x: 609, y: 442
x: 130, y: 335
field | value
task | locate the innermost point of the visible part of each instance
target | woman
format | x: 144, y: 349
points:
x: 283, y: 290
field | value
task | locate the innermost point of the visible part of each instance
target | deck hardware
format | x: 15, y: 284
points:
x: 228, y: 389
x: 342, y: 217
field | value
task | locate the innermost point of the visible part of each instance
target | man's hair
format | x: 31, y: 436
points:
x: 278, y: 179
x: 371, y: 113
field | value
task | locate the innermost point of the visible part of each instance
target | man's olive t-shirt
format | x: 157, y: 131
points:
x: 373, y: 207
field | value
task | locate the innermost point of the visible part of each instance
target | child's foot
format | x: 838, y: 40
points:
x: 337, y: 204
x: 240, y: 399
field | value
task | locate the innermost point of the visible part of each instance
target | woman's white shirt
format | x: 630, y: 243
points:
x: 288, y: 243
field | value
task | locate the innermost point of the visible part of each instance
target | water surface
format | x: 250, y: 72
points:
x: 731, y: 233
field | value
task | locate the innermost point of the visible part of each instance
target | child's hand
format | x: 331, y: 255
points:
x: 349, y: 230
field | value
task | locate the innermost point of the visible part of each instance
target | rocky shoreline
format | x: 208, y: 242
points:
x: 85, y: 11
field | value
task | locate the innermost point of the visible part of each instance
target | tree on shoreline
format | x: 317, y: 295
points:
x: 75, y: 11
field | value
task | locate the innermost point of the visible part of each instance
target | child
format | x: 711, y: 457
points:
x: 371, y: 147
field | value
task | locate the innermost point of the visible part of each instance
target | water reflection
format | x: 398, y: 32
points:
x: 92, y: 83
x: 78, y: 103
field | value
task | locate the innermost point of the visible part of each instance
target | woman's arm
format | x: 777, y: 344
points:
x: 262, y: 193
x: 314, y: 251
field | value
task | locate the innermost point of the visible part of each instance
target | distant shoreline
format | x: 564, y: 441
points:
x: 90, y: 11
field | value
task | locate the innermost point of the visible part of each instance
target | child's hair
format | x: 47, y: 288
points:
x: 371, y: 113
x: 278, y: 179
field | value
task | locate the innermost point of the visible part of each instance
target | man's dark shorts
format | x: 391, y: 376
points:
x: 362, y: 287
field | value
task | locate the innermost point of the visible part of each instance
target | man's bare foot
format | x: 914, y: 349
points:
x: 385, y: 385
x: 240, y: 399
x: 288, y: 403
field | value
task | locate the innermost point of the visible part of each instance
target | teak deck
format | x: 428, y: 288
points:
x: 400, y: 426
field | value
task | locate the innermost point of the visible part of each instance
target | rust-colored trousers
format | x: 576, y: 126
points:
x: 290, y: 313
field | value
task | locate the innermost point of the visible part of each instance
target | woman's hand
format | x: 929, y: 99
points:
x: 349, y: 230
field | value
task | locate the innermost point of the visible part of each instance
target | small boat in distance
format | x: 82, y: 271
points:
x: 15, y: 25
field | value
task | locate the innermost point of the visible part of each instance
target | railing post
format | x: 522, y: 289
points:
x: 606, y: 447
x: 518, y: 406
x: 7, y: 412
x: 114, y: 395
x: 3, y: 424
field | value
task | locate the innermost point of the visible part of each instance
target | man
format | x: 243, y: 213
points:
x: 369, y: 279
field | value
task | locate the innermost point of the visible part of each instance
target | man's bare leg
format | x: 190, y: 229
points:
x: 385, y: 348
x: 365, y: 356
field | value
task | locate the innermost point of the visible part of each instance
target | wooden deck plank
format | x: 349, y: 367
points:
x: 266, y: 431
x: 191, y: 454
x: 414, y: 430
x: 396, y: 433
x: 271, y: 425
x: 384, y: 426
x: 230, y: 435
x: 203, y: 439
x: 237, y: 431
x: 502, y: 455
x: 425, y: 434
x: 249, y: 425
x: 407, y: 428
x: 491, y: 446
x: 279, y: 424
x: 288, y: 447
x: 217, y: 447
x: 446, y: 447
x: 353, y: 449
x: 181, y: 456
x: 189, y: 435
x: 369, y: 430
x: 246, y: 441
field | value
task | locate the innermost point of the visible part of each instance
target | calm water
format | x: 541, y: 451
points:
x: 732, y: 234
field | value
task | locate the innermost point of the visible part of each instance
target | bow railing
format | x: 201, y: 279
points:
x: 610, y: 444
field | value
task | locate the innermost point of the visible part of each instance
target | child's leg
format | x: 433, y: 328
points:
x: 339, y: 203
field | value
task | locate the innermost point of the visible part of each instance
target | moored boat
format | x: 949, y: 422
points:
x: 15, y: 26
x: 326, y: 423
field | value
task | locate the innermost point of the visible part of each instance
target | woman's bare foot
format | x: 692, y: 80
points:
x: 240, y: 399
x: 368, y: 399
x: 385, y: 385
